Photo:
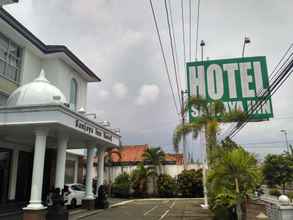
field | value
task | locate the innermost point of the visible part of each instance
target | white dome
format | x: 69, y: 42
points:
x: 40, y: 91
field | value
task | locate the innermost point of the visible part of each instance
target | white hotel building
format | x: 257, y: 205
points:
x: 42, y: 89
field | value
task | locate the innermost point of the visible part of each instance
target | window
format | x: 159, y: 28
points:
x: 10, y: 59
x: 73, y: 94
x: 78, y: 187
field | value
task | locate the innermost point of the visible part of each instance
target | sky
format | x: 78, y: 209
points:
x: 117, y: 40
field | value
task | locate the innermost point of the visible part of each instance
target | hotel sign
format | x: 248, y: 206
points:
x: 92, y: 130
x: 237, y: 82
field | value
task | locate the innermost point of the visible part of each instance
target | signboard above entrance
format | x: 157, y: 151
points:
x: 236, y: 82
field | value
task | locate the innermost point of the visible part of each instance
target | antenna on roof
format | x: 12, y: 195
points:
x: 6, y: 2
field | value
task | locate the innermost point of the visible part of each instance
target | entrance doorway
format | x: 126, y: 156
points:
x: 5, y: 158
x: 24, y: 176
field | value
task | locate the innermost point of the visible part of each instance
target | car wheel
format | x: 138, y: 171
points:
x: 73, y: 203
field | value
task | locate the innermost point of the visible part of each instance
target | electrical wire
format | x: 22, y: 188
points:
x: 276, y: 71
x: 183, y: 31
x: 190, y: 31
x: 279, y: 78
x: 164, y: 57
x: 276, y: 81
x: 172, y: 50
x: 174, y: 41
x: 197, y: 28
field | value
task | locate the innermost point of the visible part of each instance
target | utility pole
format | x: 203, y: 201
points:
x: 204, y: 150
x: 185, y: 159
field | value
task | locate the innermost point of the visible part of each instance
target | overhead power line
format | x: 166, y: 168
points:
x: 279, y: 77
x: 164, y: 57
x: 276, y: 71
x: 197, y: 28
x: 172, y: 50
x: 189, y: 5
x: 174, y: 41
x: 183, y: 32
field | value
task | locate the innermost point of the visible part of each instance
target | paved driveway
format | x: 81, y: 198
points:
x: 155, y: 210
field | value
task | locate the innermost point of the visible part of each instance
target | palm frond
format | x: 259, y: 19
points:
x: 216, y: 108
x: 234, y: 116
x: 183, y: 130
x: 198, y: 103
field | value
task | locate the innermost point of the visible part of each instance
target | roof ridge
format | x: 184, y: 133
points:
x: 47, y: 49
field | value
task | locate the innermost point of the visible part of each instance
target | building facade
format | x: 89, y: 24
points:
x: 43, y: 91
x: 130, y: 156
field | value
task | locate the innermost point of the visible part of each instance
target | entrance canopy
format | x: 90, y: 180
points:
x: 18, y: 125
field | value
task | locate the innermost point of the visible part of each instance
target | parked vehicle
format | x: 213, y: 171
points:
x: 74, y: 194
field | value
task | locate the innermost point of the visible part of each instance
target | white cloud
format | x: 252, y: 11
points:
x: 102, y: 94
x: 120, y: 90
x: 148, y: 94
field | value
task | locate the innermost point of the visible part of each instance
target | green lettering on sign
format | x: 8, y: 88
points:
x: 237, y: 82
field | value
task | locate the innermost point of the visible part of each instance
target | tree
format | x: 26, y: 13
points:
x: 278, y: 170
x: 212, y: 113
x: 109, y: 162
x: 139, y: 178
x: 154, y: 157
x: 235, y: 175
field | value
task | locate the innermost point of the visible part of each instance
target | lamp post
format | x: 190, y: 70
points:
x: 286, y: 138
x: 205, y: 162
x: 246, y: 41
x: 202, y: 44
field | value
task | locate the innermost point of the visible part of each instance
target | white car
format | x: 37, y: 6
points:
x: 74, y: 194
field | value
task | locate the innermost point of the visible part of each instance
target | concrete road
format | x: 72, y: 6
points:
x: 155, y: 210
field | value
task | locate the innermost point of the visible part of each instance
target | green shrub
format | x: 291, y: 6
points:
x: 166, y: 186
x: 290, y: 196
x: 275, y: 192
x: 190, y: 183
x: 121, y: 186
x: 138, y: 179
x: 223, y: 206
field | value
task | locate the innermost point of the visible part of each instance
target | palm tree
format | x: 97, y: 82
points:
x: 155, y: 157
x: 109, y: 161
x: 212, y: 113
x: 235, y: 173
x: 139, y: 178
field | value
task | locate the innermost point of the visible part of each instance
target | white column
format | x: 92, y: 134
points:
x: 13, y: 174
x: 61, y: 161
x: 89, y: 173
x: 76, y: 163
x: 35, y: 202
x: 100, y: 168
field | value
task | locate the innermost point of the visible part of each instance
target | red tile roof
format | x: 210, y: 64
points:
x: 130, y: 153
x: 133, y: 153
x: 175, y: 157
